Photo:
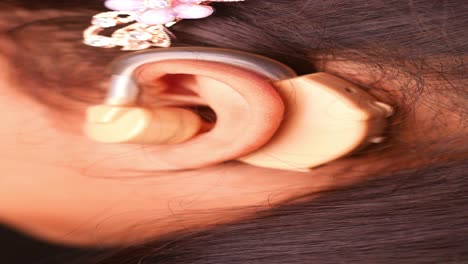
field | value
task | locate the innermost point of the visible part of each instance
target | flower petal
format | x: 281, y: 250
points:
x: 125, y: 5
x: 156, y: 16
x: 190, y: 11
x: 189, y: 1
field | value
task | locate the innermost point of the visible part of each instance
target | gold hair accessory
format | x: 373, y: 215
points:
x: 149, y: 22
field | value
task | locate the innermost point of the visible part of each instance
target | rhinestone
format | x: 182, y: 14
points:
x: 136, y: 45
x: 105, y: 22
x: 161, y: 42
x: 139, y: 35
x: 100, y: 41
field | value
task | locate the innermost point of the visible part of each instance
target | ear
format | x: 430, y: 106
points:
x: 248, y: 110
x: 327, y: 117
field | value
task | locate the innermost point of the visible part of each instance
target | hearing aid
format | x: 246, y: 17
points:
x: 326, y: 117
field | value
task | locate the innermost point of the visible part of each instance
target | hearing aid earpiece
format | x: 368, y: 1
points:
x: 130, y: 124
x: 325, y: 117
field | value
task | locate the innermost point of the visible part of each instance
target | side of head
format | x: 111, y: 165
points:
x: 391, y: 51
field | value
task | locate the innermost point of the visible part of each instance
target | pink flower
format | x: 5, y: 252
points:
x: 159, y: 12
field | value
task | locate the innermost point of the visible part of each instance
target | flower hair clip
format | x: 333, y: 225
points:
x: 149, y: 22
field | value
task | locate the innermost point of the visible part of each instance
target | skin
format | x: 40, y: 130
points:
x: 60, y: 186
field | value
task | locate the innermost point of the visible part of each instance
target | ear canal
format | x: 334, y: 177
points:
x: 125, y: 124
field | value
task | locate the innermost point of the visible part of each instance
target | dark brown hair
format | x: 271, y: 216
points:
x: 414, y: 216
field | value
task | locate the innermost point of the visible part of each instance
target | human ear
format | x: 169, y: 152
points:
x: 248, y: 110
x: 265, y: 115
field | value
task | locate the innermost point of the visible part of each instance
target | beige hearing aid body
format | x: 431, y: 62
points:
x: 325, y: 117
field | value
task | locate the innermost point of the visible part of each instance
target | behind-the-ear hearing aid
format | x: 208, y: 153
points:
x: 325, y: 116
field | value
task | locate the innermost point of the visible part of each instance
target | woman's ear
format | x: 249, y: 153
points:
x: 248, y: 111
x: 265, y: 115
